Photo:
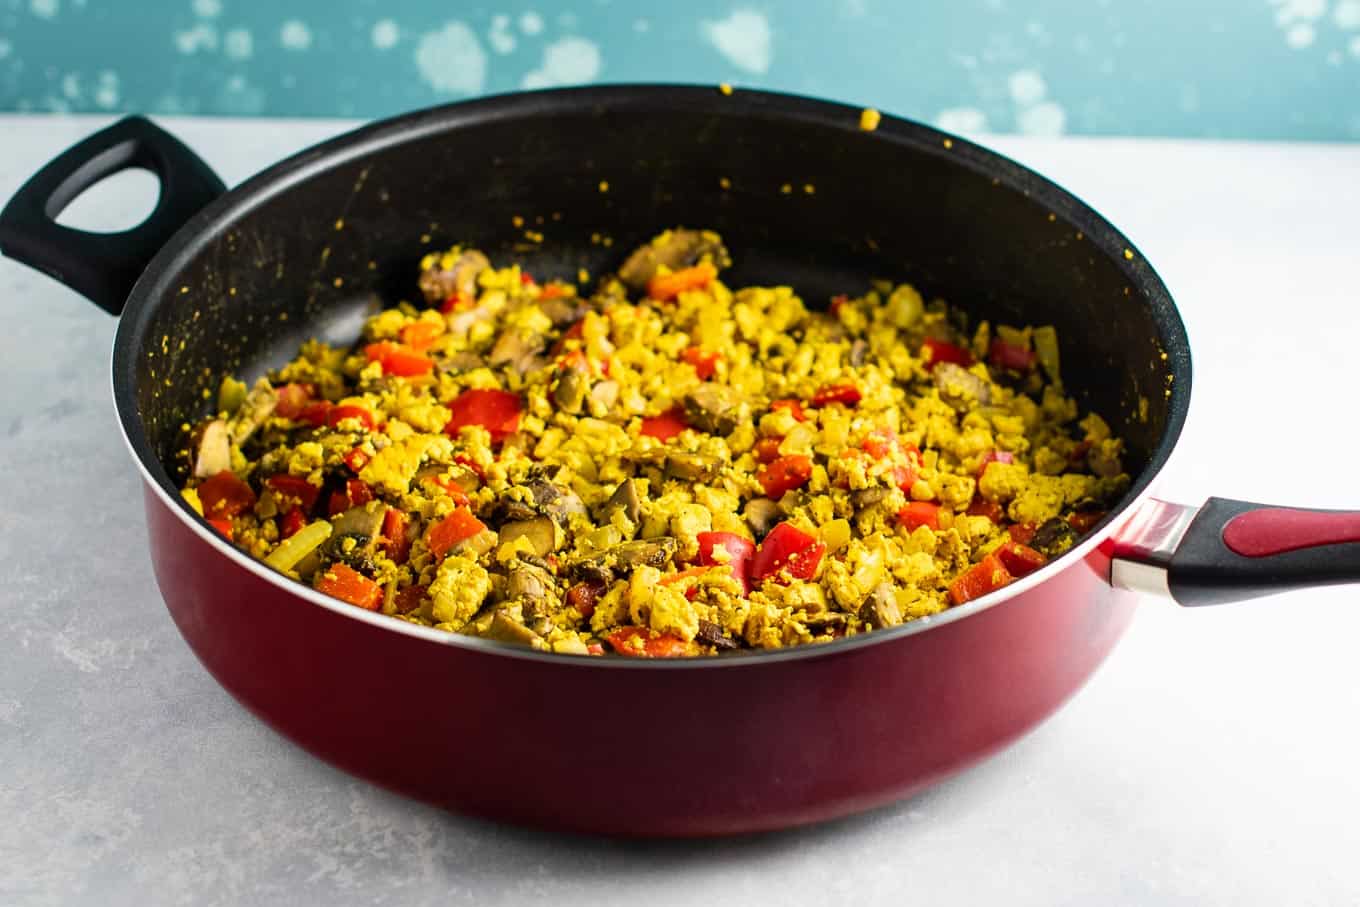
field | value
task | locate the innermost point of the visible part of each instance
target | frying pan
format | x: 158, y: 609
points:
x: 217, y: 282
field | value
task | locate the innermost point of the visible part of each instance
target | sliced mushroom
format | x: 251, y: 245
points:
x: 562, y: 310
x: 711, y: 634
x: 762, y: 515
x: 674, y: 249
x: 259, y: 406
x: 354, y: 536
x: 540, y: 532
x: 569, y: 391
x: 715, y: 408
x: 625, y: 498
x: 959, y: 387
x: 621, y: 559
x: 691, y: 467
x: 880, y: 609
x: 360, y: 520
x: 554, y: 500
x: 526, y: 581
x: 1053, y: 537
x: 214, y: 450
x: 438, y: 284
x: 516, y: 349
x: 865, y: 498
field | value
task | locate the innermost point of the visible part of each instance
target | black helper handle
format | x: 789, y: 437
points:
x: 1233, y: 550
x: 103, y: 267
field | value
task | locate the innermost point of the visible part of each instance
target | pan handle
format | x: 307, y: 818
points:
x: 1229, y: 550
x: 104, y: 266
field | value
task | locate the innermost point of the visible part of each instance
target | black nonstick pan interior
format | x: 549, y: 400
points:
x: 563, y: 181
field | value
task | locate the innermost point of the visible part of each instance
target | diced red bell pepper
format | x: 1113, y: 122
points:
x: 552, y: 291
x: 767, y: 449
x: 458, y: 526
x: 880, y: 443
x: 407, y: 363
x: 1084, y: 521
x: 338, y: 414
x: 455, y: 302
x: 785, y: 474
x: 465, y: 460
x: 377, y: 352
x: 394, y: 540
x: 594, y: 648
x: 409, y: 599
x: 987, y: 575
x: 992, y: 510
x: 837, y: 301
x: 356, y: 493
x: 789, y: 551
x: 357, y: 459
x: 1020, y: 560
x: 665, y: 426
x: 1022, y: 532
x: 583, y: 596
x: 222, y: 526
x: 495, y: 410
x: 349, y: 585
x: 936, y: 351
x: 795, y: 408
x: 292, y: 523
x: 1013, y: 356
x: 223, y: 496
x: 316, y: 413
x: 292, y: 399
x: 449, y: 487
x: 995, y: 456
x: 718, y: 548
x: 669, y: 286
x: 846, y: 394
x: 421, y: 335
x: 526, y: 278
x: 919, y: 513
x: 295, y: 489
x: 705, y: 364
x: 653, y: 645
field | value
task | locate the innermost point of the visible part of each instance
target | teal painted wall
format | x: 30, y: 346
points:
x: 1215, y: 68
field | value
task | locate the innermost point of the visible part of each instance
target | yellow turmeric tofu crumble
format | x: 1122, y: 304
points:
x: 666, y: 466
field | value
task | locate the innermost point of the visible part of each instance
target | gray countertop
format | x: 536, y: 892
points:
x: 1214, y: 759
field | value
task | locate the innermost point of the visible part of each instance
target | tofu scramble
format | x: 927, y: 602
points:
x: 667, y: 466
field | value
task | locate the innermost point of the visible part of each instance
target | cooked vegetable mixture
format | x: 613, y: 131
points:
x: 666, y: 467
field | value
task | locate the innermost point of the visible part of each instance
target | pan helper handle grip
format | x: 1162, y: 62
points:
x: 1229, y: 550
x: 104, y: 266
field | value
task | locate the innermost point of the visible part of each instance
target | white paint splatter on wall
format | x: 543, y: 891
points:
x: 1300, y: 35
x: 1027, y: 87
x: 238, y: 44
x: 385, y: 34
x: 208, y: 9
x: 1347, y: 14
x: 743, y: 38
x: 201, y: 37
x: 106, y: 90
x: 70, y: 86
x: 568, y: 61
x: 45, y: 9
x: 1045, y: 119
x: 1355, y: 47
x: 641, y: 26
x: 452, y: 60
x: 295, y: 35
x: 501, y: 39
x: 962, y: 119
x: 531, y: 23
x: 5, y: 48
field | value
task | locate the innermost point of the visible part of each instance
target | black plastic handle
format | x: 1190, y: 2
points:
x: 1235, y: 550
x: 104, y: 266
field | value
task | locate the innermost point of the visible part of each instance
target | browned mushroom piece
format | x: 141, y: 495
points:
x: 715, y: 408
x: 762, y: 514
x: 438, y: 284
x: 880, y: 609
x: 517, y: 349
x: 675, y: 249
x: 255, y: 411
x: 214, y: 450
x: 569, y: 391
x: 691, y: 467
x: 959, y: 387
x: 563, y: 311
x: 622, y: 559
x: 555, y: 501
x: 504, y: 628
x: 540, y: 532
x: 625, y: 498
x: 865, y: 498
x: 711, y: 634
x: 1053, y: 537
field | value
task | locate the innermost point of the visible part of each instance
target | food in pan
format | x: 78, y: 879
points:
x: 667, y: 466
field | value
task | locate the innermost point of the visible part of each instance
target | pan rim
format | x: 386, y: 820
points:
x: 157, y: 283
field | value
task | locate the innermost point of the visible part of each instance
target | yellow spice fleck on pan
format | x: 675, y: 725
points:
x: 948, y: 143
x: 183, y: 290
x: 604, y: 185
x: 809, y: 189
x: 517, y: 221
x: 869, y: 119
x: 1128, y: 254
x: 724, y: 182
x: 338, y: 282
x: 339, y: 223
x: 786, y: 189
x: 725, y: 88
